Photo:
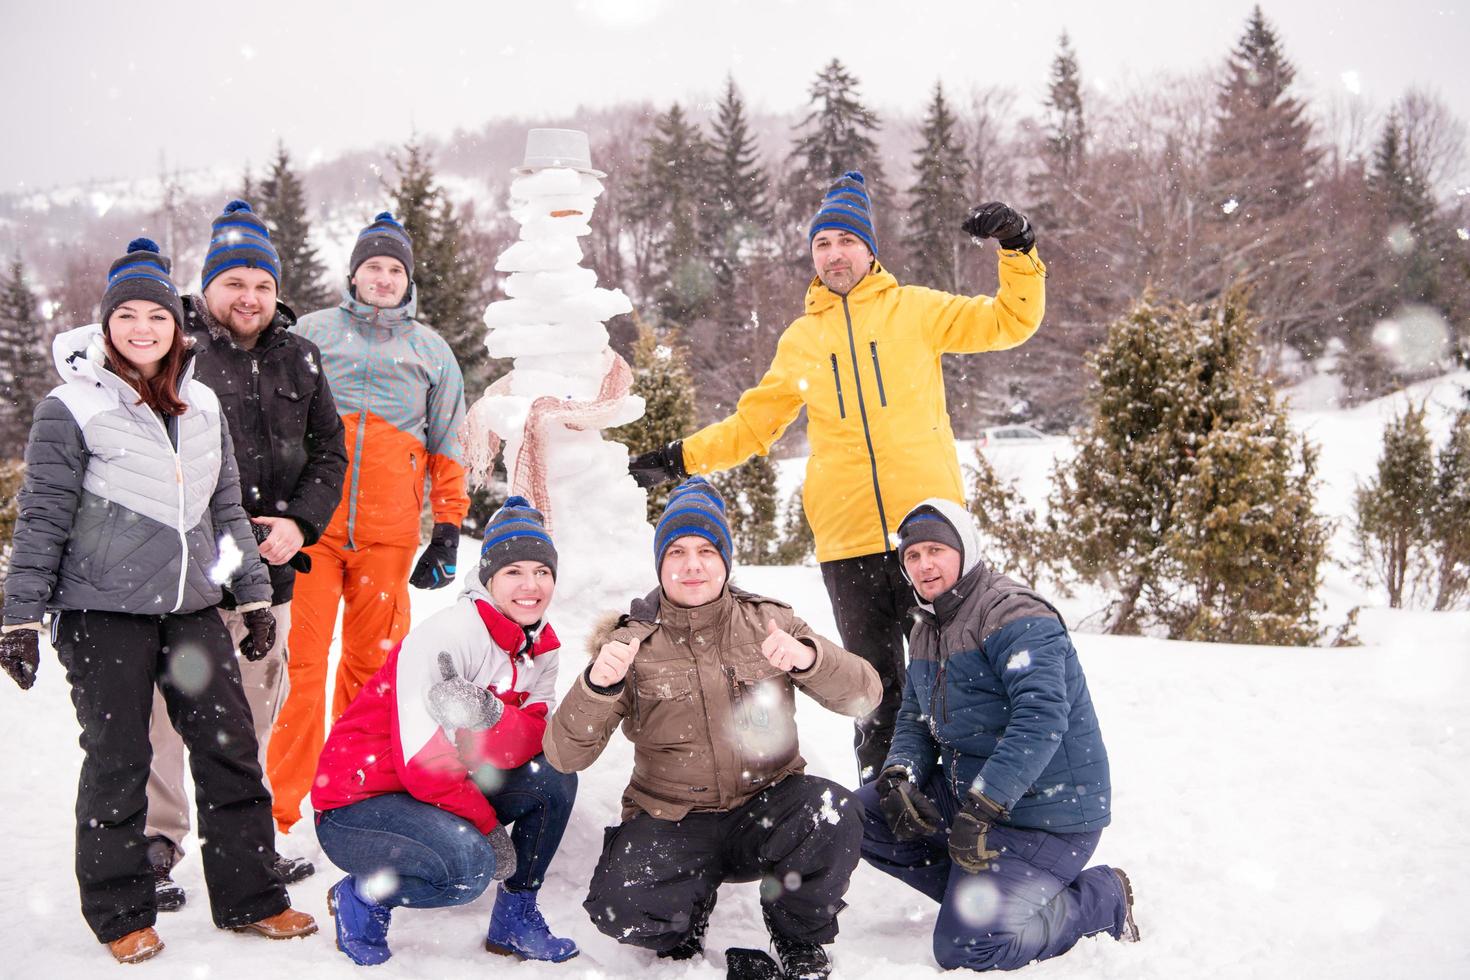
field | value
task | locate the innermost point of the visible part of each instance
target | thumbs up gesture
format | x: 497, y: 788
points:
x: 456, y: 703
x: 785, y: 651
x: 612, y: 662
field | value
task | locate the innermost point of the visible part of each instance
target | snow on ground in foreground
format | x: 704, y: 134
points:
x: 1282, y: 812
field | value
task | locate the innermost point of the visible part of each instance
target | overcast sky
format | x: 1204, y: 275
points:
x: 112, y: 89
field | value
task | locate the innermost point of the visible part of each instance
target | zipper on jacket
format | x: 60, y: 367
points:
x: 179, y: 522
x: 837, y: 380
x: 878, y: 373
x: 867, y: 433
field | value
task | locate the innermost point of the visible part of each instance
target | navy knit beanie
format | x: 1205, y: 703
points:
x: 516, y: 533
x: 143, y: 274
x: 846, y: 207
x: 384, y: 236
x: 239, y: 238
x: 927, y: 524
x: 695, y: 507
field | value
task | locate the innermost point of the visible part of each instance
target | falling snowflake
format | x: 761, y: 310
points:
x: 1230, y: 206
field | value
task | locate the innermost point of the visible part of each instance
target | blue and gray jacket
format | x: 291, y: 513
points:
x: 995, y: 695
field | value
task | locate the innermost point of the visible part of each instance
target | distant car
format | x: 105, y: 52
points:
x: 1009, y: 435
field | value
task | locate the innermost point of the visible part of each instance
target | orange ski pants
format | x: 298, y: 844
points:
x: 372, y: 585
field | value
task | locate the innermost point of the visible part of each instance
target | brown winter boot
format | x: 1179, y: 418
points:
x: 283, y: 925
x: 1129, y: 933
x: 136, y: 946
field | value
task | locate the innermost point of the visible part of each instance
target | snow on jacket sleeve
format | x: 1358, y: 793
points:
x: 913, y: 745
x: 251, y: 582
x: 319, y: 488
x: 969, y: 324
x: 516, y: 738
x: 56, y: 462
x: 760, y: 417
x: 447, y: 496
x: 1030, y: 658
x: 582, y: 724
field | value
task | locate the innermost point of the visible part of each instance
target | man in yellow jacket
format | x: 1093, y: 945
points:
x: 865, y: 362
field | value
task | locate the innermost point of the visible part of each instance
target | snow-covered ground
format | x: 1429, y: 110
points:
x: 1282, y: 812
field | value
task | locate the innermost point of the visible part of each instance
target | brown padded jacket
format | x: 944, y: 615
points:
x: 712, y: 722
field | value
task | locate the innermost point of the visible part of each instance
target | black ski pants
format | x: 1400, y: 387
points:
x: 870, y: 601
x: 800, y: 838
x: 113, y: 662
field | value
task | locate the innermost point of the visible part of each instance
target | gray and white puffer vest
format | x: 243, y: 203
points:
x: 112, y: 516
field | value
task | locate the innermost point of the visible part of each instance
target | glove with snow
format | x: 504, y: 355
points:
x: 439, y: 561
x: 659, y: 466
x: 967, y: 836
x: 996, y: 220
x: 20, y: 655
x: 504, y: 851
x: 261, y: 636
x: 909, y: 813
x: 456, y: 703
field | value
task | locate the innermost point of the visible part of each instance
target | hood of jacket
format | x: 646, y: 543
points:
x: 878, y: 279
x: 972, y: 569
x: 399, y: 317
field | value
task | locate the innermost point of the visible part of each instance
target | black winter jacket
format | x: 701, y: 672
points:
x: 287, y: 433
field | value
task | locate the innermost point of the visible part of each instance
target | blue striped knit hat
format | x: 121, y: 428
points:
x: 516, y: 532
x: 846, y: 207
x: 384, y: 236
x: 695, y: 507
x: 239, y: 238
x: 143, y: 274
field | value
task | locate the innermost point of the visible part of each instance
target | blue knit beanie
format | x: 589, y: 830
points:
x: 517, y: 532
x: 846, y: 207
x: 383, y: 236
x: 143, y: 273
x: 695, y: 507
x: 239, y: 238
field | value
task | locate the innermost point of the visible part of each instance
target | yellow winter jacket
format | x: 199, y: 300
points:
x: 866, y: 366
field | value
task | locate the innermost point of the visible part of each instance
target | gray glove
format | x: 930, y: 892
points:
x: 456, y: 703
x: 505, y: 853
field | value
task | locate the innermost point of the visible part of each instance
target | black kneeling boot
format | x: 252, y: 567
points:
x: 800, y: 958
x: 168, y: 895
x: 693, y: 942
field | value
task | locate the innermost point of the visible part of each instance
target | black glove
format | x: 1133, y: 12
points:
x: 262, y: 636
x: 967, y: 836
x: 456, y: 703
x: 439, y: 561
x: 20, y: 655
x: 996, y: 220
x: 659, y: 466
x: 909, y: 813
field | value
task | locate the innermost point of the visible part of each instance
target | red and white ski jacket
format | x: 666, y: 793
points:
x: 387, y: 742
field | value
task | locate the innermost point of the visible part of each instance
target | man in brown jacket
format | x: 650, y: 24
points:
x: 702, y: 677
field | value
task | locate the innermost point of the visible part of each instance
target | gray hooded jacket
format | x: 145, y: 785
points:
x: 113, y: 517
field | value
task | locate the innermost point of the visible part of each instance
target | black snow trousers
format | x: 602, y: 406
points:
x: 113, y: 661
x: 870, y: 601
x: 799, y: 838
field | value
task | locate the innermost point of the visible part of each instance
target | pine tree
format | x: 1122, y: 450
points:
x: 835, y: 136
x: 661, y: 377
x: 445, y: 278
x: 798, y: 544
x: 671, y: 192
x: 24, y: 366
x: 282, y: 205
x: 937, y: 197
x: 750, y: 506
x: 12, y: 477
x: 1393, y: 510
x: 741, y: 210
x: 1013, y: 539
x: 1066, y: 139
x: 1449, y: 523
x: 1398, y: 182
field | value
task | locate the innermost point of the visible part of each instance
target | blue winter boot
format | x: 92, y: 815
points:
x: 518, y: 929
x: 362, y: 926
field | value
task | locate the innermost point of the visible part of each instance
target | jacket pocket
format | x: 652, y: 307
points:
x: 764, y: 710
x: 837, y: 380
x: 662, y: 712
x: 290, y: 409
x: 878, y: 372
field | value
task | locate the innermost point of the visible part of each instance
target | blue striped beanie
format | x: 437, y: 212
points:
x: 142, y: 274
x: 695, y: 507
x: 384, y: 236
x: 846, y: 207
x: 516, y: 533
x: 239, y: 238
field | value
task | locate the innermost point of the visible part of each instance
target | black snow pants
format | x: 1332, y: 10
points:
x: 870, y: 601
x: 799, y: 838
x: 113, y: 661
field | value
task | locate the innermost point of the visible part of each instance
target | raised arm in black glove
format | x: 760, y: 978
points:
x: 456, y: 703
x: 909, y: 813
x: 256, y: 643
x: 439, y: 561
x: 967, y: 836
x: 659, y: 466
x: 20, y: 655
x: 996, y: 220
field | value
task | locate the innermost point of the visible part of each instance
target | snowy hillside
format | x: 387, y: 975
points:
x: 1282, y: 812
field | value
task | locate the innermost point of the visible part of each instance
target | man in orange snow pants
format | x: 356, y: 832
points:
x: 401, y: 396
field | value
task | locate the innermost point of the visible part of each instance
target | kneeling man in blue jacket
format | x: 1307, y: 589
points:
x: 995, y: 791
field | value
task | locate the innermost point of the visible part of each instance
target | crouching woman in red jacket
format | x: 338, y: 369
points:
x: 441, y: 750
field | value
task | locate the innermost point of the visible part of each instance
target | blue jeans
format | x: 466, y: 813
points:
x: 433, y: 858
x: 1034, y: 902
